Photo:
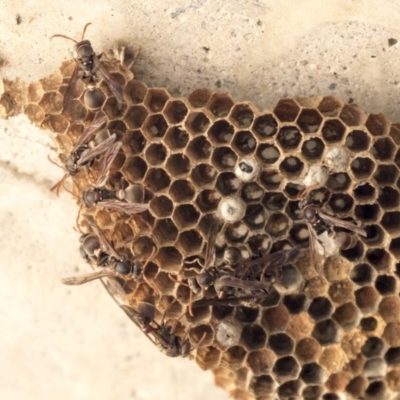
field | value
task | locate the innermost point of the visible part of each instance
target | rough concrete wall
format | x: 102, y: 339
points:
x: 72, y: 342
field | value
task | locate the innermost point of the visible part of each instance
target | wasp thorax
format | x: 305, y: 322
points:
x: 310, y: 213
x: 205, y: 279
x: 89, y: 197
x: 90, y: 244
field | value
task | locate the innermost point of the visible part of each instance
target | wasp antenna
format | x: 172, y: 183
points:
x: 65, y: 37
x: 55, y: 163
x: 84, y: 30
x: 59, y: 184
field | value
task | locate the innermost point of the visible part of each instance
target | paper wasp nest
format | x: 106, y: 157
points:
x: 328, y: 335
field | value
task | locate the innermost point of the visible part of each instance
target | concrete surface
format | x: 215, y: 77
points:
x: 73, y: 343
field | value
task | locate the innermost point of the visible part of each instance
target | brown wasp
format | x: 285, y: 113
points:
x: 100, y: 253
x: 130, y: 199
x: 318, y: 222
x: 89, y: 69
x: 160, y: 334
x: 86, y: 154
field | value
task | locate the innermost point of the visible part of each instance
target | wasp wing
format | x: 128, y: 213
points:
x: 111, y: 82
x: 106, y: 162
x: 122, y: 206
x: 84, y: 278
x: 351, y: 226
x: 101, y: 148
x: 98, y: 121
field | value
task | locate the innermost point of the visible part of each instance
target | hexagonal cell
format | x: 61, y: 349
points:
x: 290, y: 389
x: 386, y: 284
x: 357, y: 386
x: 221, y: 132
x: 236, y: 232
x: 178, y: 165
x: 383, y: 149
x: 367, y: 299
x: 135, y: 116
x: 377, y: 124
x: 155, y: 126
x: 155, y: 99
x: 312, y: 373
x: 143, y: 247
x: 330, y: 106
x: 313, y: 149
x: 35, y: 92
x: 253, y: 336
x: 156, y: 154
x: 197, y: 123
x: 388, y: 197
x: 367, y: 212
x: 386, y: 174
x: 220, y: 104
x: 246, y: 314
x: 362, y: 167
x: 392, y: 356
x: 291, y: 167
x: 224, y: 159
x: 380, y: 259
x: 265, y: 126
x: 199, y: 149
x: 134, y: 169
x: 312, y: 392
x: 55, y: 123
x: 161, y: 206
x: 362, y: 274
x: 355, y: 253
x: 203, y: 175
x: 340, y: 203
x: 233, y: 358
x: 113, y: 109
x: 227, y: 183
x: 390, y: 222
x: 244, y: 142
x: 368, y: 324
x: 186, y: 215
x: 364, y: 193
x: 352, y: 115
x: 357, y: 141
x: 320, y: 308
x: 333, y: 131
x: 208, y: 200
x: 94, y: 99
x: 175, y: 111
x: 176, y: 138
x: 281, y: 344
x: 34, y: 113
x: 189, y: 242
x: 261, y: 361
x: 286, y: 368
x: 289, y: 138
x: 267, y: 154
x: 255, y: 216
x: 169, y: 259
x: 373, y: 347
x: 326, y: 332
x: 199, y: 97
x: 271, y: 179
x: 375, y: 368
x: 395, y: 247
x: 135, y: 141
x: 309, y: 120
x: 208, y: 357
x: 295, y: 303
x: 135, y: 91
x: 375, y: 235
x: 165, y: 232
x: 277, y: 225
x: 241, y: 115
x: 51, y: 102
x: 157, y: 179
x: 272, y: 201
x: 252, y: 192
x: 346, y: 316
x: 182, y: 191
x: 287, y: 110
x: 262, y: 386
